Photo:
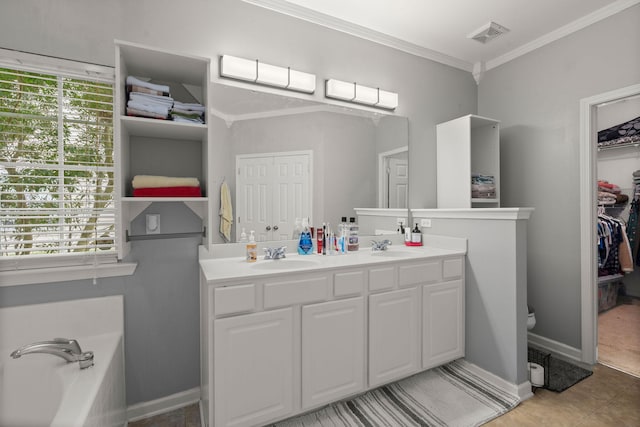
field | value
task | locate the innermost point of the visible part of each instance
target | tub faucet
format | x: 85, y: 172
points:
x: 65, y: 348
x: 275, y: 253
x: 381, y: 245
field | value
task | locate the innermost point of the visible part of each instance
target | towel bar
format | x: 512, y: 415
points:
x: 129, y: 237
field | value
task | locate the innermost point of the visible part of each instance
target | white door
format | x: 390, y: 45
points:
x: 253, y: 368
x: 442, y: 323
x: 398, y: 183
x: 393, y: 335
x: 332, y: 351
x: 272, y: 190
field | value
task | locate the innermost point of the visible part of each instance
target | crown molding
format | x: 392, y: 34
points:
x: 561, y: 32
x: 324, y: 20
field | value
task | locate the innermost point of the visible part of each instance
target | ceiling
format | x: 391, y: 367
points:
x: 439, y: 29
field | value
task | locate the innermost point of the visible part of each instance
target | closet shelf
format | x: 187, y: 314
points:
x: 616, y: 146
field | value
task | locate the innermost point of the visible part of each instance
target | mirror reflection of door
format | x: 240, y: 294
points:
x: 397, y: 179
x: 272, y: 190
x: 393, y: 172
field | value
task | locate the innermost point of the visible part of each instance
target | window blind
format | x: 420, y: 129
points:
x: 56, y: 166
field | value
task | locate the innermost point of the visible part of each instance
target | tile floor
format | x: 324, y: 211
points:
x: 606, y: 398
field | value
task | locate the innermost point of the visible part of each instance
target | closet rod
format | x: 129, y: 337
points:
x: 129, y: 237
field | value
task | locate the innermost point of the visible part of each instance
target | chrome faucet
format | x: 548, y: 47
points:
x: 275, y: 253
x: 381, y: 245
x: 65, y: 348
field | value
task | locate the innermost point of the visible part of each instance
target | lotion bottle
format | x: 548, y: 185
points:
x: 252, y: 248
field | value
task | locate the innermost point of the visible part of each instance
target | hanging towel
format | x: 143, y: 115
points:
x: 226, y: 212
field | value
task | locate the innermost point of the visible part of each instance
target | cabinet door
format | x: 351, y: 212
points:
x: 253, y: 368
x: 442, y: 323
x: 332, y: 351
x: 394, y: 339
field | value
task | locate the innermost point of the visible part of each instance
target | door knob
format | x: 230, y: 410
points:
x: 268, y: 227
x: 275, y: 228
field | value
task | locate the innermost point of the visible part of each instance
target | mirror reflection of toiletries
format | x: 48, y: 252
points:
x: 285, y: 158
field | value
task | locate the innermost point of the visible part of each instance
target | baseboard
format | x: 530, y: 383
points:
x: 164, y: 404
x: 555, y: 347
x: 521, y: 391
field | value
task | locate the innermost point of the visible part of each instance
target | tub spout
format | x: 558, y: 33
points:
x: 67, y: 349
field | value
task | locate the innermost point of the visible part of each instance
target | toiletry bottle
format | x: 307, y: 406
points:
x: 416, y: 235
x: 305, y: 243
x: 252, y: 248
x: 353, y: 243
x: 324, y: 238
x: 320, y: 238
x: 297, y: 229
x: 243, y: 236
x: 401, y: 228
x: 407, y: 235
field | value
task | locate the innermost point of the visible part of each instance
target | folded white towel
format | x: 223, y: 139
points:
x: 153, y: 181
x: 137, y: 82
x: 189, y: 106
x: 158, y: 109
x: 147, y: 97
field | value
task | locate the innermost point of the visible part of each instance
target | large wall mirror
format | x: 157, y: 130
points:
x: 285, y: 158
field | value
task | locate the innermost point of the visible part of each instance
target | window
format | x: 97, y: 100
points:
x: 56, y: 164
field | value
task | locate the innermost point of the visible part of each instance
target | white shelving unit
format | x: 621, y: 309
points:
x: 467, y: 145
x: 159, y: 147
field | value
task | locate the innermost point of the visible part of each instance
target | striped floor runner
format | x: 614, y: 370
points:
x: 446, y: 396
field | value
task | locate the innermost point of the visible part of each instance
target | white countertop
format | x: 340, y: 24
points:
x: 224, y: 269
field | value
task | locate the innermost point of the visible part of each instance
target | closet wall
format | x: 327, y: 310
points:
x: 617, y: 166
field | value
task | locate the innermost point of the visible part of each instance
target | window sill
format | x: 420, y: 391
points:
x: 64, y: 274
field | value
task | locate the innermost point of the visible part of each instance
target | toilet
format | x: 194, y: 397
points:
x: 531, y: 318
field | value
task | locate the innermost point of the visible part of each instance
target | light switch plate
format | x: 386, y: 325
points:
x: 402, y: 221
x: 153, y: 224
x: 425, y: 222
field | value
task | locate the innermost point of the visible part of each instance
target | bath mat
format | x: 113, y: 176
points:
x: 450, y: 395
x: 563, y: 375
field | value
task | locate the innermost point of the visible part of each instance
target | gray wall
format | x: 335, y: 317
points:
x: 161, y: 299
x: 536, y: 97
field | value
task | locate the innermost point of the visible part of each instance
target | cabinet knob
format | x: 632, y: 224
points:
x: 268, y: 227
x: 275, y: 228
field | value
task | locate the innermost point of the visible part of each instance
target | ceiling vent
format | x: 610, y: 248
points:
x: 488, y: 32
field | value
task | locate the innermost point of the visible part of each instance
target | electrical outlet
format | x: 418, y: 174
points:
x: 153, y: 224
x: 425, y: 222
x: 402, y: 221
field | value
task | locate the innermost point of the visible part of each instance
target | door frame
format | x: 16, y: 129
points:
x: 382, y: 164
x: 588, y: 217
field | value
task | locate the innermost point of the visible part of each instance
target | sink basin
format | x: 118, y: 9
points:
x: 284, y: 264
x: 392, y: 253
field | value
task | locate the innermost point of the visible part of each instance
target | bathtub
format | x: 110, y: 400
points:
x: 45, y: 390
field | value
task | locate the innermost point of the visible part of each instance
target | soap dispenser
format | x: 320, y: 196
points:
x: 252, y: 248
x: 305, y: 244
x: 243, y: 236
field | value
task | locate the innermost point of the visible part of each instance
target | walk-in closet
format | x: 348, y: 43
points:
x: 618, y: 224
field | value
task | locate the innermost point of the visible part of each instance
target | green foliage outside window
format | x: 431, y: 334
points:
x: 56, y: 164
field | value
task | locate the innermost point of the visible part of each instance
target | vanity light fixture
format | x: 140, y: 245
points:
x: 359, y: 94
x: 258, y: 72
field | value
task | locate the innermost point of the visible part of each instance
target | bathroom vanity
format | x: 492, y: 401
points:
x: 282, y: 337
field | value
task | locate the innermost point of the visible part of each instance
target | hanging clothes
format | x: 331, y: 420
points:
x: 614, y: 251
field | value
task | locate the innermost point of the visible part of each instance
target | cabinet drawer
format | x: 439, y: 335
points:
x: 452, y: 268
x: 235, y: 299
x: 285, y: 293
x: 382, y: 278
x: 348, y: 283
x: 420, y: 273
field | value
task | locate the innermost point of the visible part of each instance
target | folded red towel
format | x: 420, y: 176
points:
x: 167, y: 192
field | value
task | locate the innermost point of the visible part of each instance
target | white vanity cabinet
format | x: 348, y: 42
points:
x: 393, y: 335
x: 333, y: 352
x: 254, y: 368
x: 278, y: 344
